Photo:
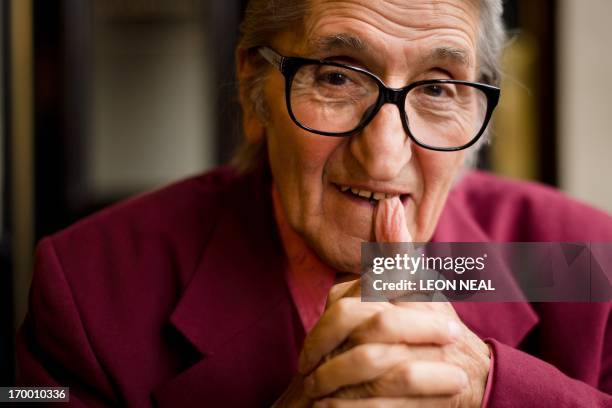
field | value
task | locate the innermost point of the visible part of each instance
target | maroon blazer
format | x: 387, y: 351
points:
x: 178, y: 298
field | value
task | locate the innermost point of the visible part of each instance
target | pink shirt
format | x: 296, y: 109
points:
x: 309, y: 279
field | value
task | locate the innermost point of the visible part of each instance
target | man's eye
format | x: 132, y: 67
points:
x: 334, y: 78
x: 433, y: 90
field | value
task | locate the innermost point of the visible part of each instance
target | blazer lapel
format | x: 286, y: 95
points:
x: 508, y: 322
x: 237, y: 311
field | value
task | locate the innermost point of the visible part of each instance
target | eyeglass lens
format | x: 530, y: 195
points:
x: 332, y: 99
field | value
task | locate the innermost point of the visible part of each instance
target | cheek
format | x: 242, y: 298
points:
x: 298, y: 153
x: 439, y: 169
x: 291, y: 146
x: 299, y: 160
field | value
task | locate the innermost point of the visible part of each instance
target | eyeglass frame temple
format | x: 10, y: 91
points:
x: 272, y: 57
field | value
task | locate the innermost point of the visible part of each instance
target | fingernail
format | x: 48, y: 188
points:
x: 309, y: 385
x: 454, y: 329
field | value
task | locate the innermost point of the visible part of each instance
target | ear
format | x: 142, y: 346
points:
x: 252, y: 125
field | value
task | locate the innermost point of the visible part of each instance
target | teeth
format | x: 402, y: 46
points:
x: 367, y: 194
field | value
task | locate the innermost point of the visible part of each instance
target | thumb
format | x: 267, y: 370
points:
x: 350, y: 288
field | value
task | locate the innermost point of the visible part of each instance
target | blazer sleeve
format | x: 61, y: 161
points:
x: 52, y: 344
x: 522, y: 380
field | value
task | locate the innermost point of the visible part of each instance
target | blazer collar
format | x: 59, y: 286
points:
x: 221, y: 298
x: 236, y: 310
x: 508, y: 322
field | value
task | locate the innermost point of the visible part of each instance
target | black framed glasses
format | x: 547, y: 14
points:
x: 333, y: 99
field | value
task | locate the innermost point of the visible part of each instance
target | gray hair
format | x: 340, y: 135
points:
x: 264, y: 19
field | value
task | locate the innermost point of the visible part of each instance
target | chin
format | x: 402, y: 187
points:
x: 342, y: 254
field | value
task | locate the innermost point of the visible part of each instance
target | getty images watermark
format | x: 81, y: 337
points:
x: 487, y: 272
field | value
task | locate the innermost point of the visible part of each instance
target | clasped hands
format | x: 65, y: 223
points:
x: 381, y: 354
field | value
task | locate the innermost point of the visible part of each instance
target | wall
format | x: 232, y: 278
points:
x: 585, y: 100
x: 151, y: 108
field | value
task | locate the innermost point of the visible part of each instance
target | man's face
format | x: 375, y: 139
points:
x: 400, y: 41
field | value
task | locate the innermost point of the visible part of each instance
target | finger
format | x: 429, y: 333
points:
x: 334, y: 327
x: 417, y: 378
x: 397, y: 325
x: 443, y: 402
x: 294, y: 395
x: 416, y: 352
x: 443, y: 307
x: 404, y: 297
x: 420, y: 296
x: 355, y: 366
x: 350, y: 288
x: 390, y: 222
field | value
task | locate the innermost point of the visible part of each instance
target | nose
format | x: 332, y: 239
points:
x: 382, y: 147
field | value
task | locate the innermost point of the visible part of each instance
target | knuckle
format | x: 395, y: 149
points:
x: 403, y: 376
x: 382, y: 387
x: 342, y: 307
x: 356, y: 338
x: 382, y: 321
x: 455, y: 402
x: 446, y: 402
x: 353, y: 392
x: 366, y: 355
x: 440, y: 329
x: 371, y: 389
x: 444, y: 354
x: 381, y: 306
x: 320, y: 382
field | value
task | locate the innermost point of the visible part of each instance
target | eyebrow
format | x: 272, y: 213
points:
x: 350, y: 42
x: 341, y: 41
x: 452, y: 54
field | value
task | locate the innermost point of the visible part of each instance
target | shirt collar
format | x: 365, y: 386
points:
x: 309, y: 279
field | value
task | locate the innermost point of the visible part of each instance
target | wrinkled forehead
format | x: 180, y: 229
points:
x: 386, y: 30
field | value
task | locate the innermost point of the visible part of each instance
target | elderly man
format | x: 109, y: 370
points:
x: 237, y: 288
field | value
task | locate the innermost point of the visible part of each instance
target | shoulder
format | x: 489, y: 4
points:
x: 516, y: 210
x: 153, y: 233
x: 105, y: 287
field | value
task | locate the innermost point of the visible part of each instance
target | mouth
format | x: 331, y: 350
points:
x: 372, y: 197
